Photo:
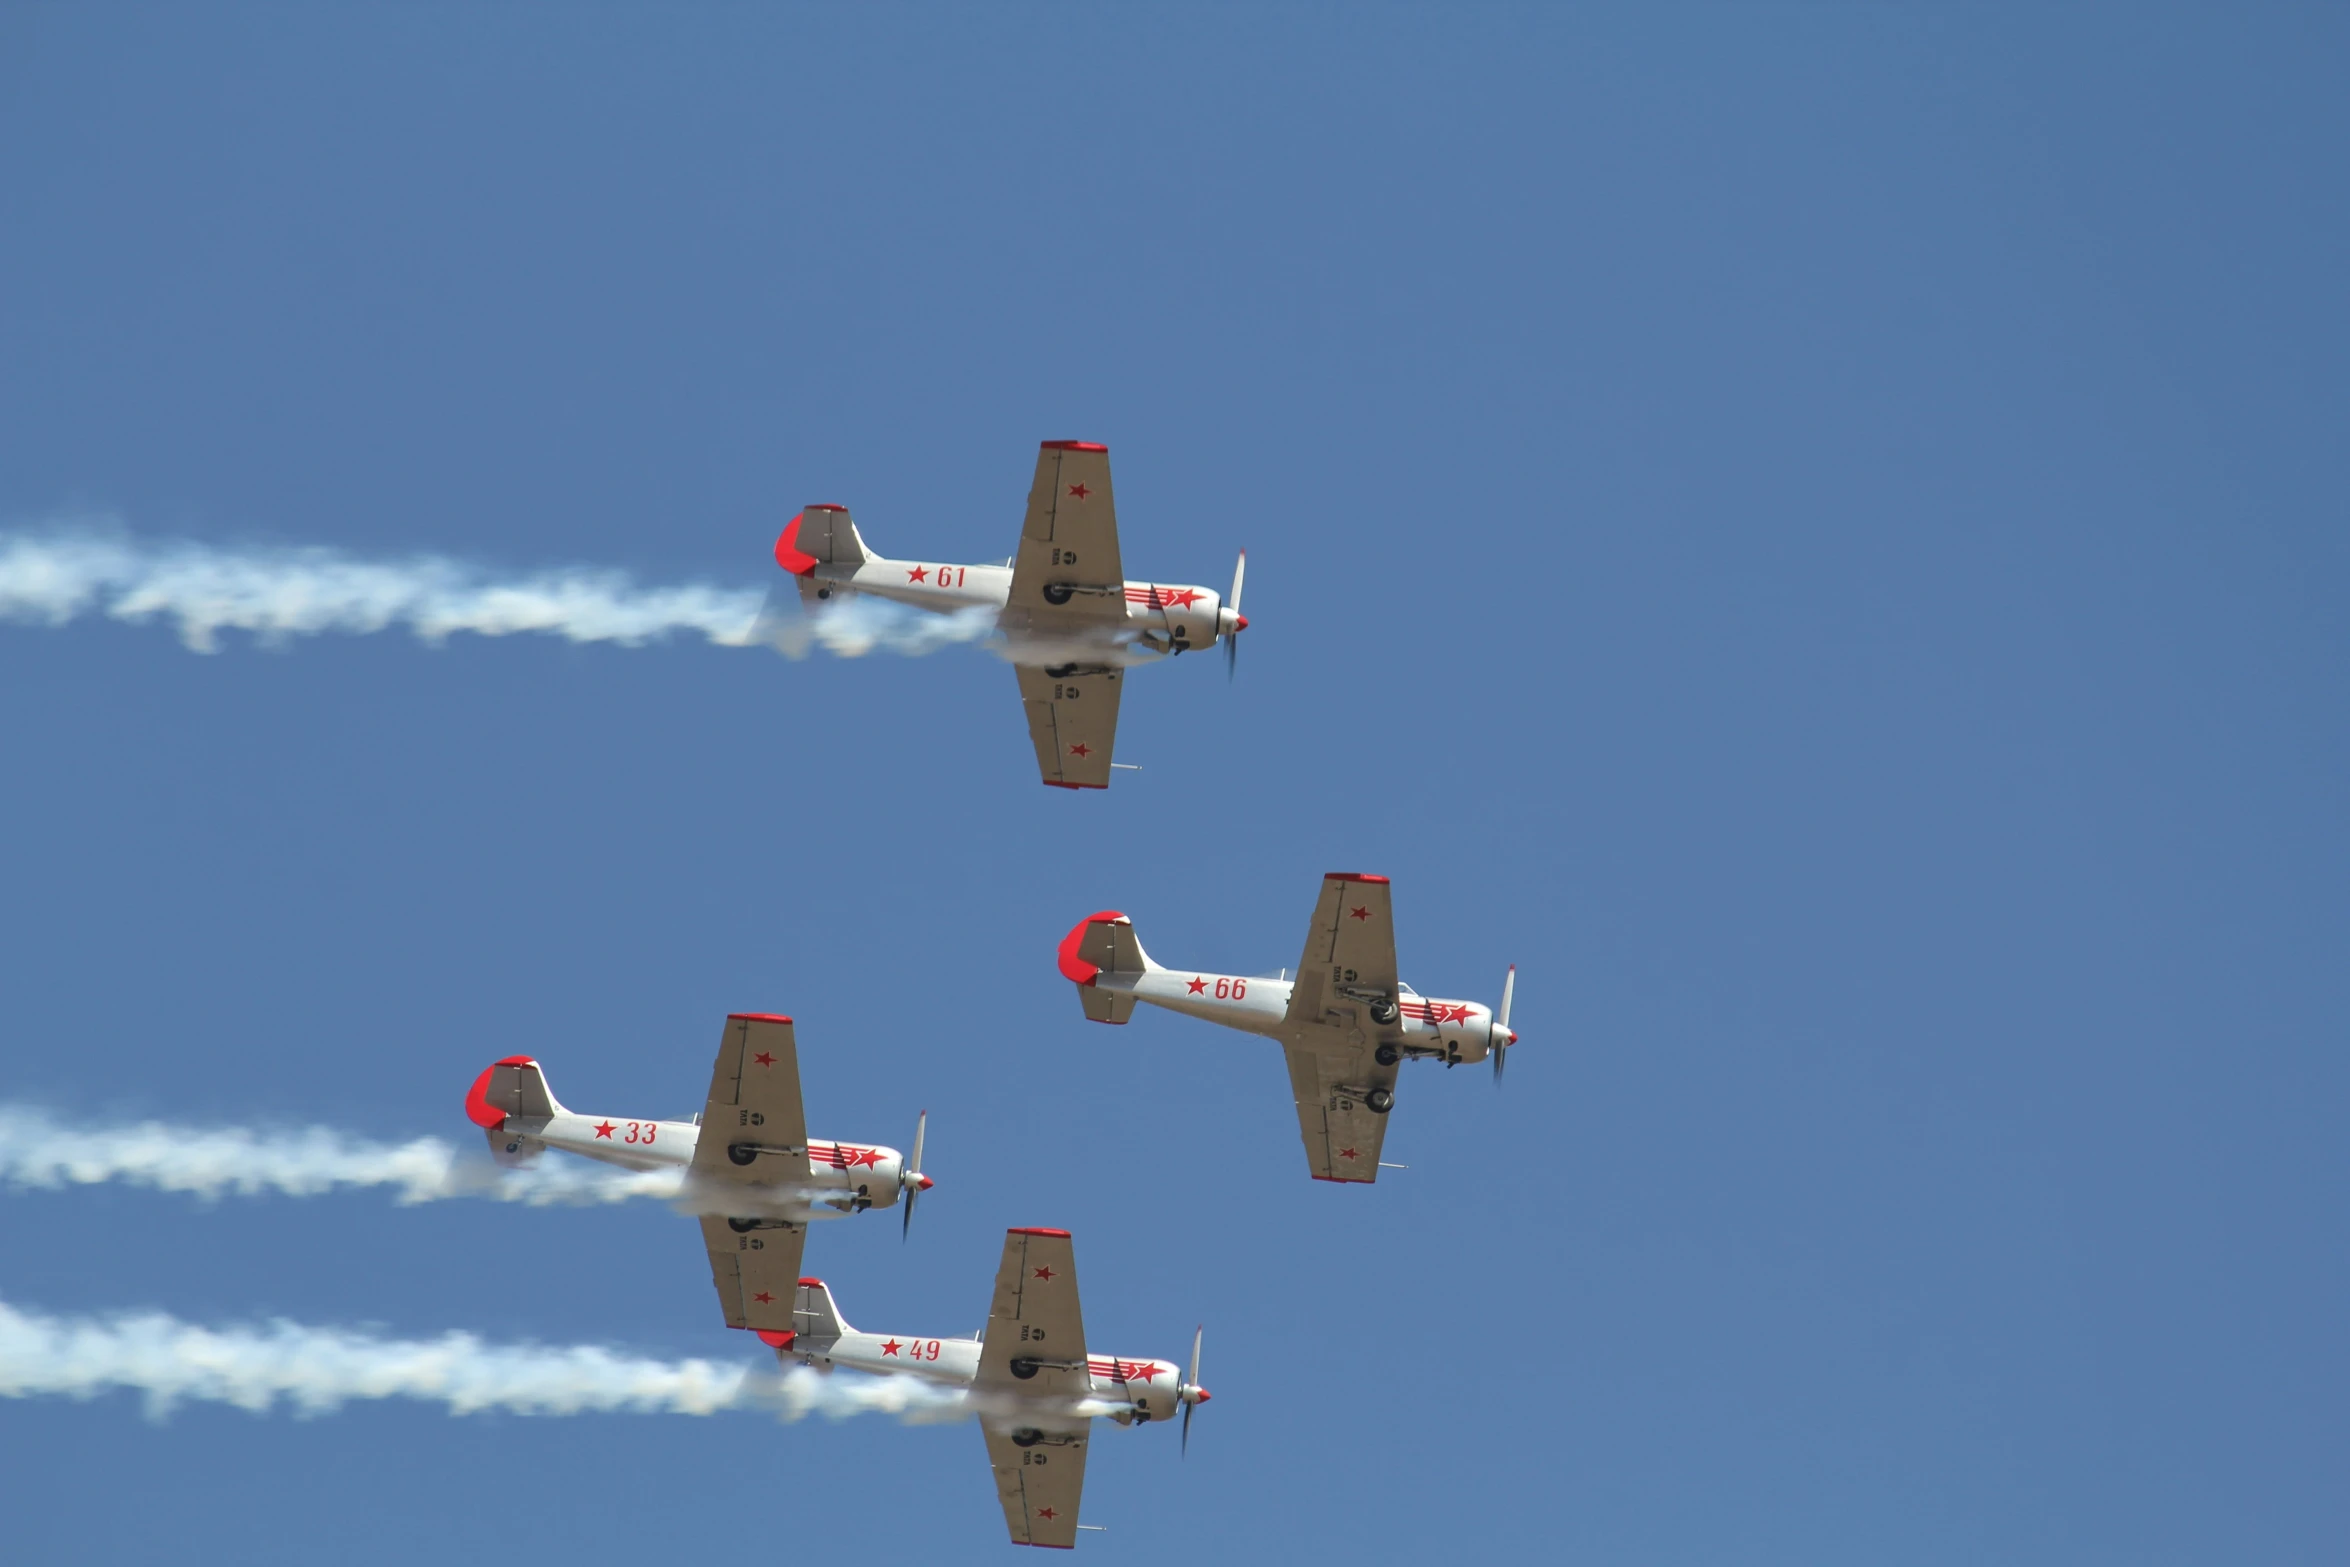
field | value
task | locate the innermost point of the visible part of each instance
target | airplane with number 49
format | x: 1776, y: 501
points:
x: 752, y: 1173
x: 1033, y: 1384
x: 1346, y: 1022
x: 1073, y: 623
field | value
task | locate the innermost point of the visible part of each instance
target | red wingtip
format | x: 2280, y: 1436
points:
x: 757, y: 1017
x: 1055, y: 783
x: 811, y: 1284
x: 1060, y: 1234
x: 1354, y: 876
x: 1072, y: 446
x: 788, y: 553
x: 1074, y: 968
x: 778, y: 1340
x: 477, y: 1099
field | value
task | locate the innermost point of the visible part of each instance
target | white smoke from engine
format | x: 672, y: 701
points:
x: 317, y: 1370
x: 56, y: 576
x: 40, y: 1150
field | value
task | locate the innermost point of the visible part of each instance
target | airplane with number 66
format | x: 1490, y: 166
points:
x: 1346, y: 1022
x: 1073, y: 624
x: 1034, y: 1385
x: 751, y: 1170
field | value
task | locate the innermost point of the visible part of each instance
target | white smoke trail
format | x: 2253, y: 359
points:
x: 317, y: 1370
x: 39, y: 1150
x: 57, y: 576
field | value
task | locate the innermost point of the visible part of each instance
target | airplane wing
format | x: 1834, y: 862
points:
x: 1329, y: 1077
x: 757, y: 1272
x: 1349, y: 961
x: 754, y: 1108
x: 1073, y: 719
x: 1038, y: 1476
x: 754, y: 1102
x: 1035, y: 1344
x: 1067, y: 576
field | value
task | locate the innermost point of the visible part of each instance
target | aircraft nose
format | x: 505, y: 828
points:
x: 925, y: 1182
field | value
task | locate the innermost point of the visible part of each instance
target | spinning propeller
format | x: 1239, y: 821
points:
x: 1232, y: 630
x: 911, y: 1180
x: 1503, y: 1035
x: 1189, y: 1392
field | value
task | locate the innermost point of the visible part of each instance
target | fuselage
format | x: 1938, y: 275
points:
x: 1162, y: 618
x: 1120, y: 1389
x: 1453, y: 1031
x: 841, y: 1178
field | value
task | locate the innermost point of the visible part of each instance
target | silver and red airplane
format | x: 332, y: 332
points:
x: 1346, y: 1022
x: 1030, y: 1378
x: 752, y: 1173
x: 1072, y: 622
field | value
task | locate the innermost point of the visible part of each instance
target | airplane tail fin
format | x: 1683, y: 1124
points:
x: 503, y: 1100
x: 813, y: 1315
x: 821, y: 535
x: 1100, y: 944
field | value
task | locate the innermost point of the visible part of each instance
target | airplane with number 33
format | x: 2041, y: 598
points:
x: 753, y: 1174
x: 1073, y: 624
x: 1031, y: 1380
x: 1346, y: 1022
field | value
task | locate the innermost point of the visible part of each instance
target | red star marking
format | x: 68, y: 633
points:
x: 1348, y: 1153
x: 764, y: 1059
x: 1362, y: 914
x: 1184, y: 599
x: 1047, y: 1514
x: 605, y: 1130
x: 1456, y: 1014
x: 1080, y: 749
x: 763, y: 1298
x: 1197, y: 984
x: 868, y: 1157
x: 1138, y: 1371
x: 918, y: 574
x: 890, y: 1348
x: 1044, y: 1273
x: 1079, y: 490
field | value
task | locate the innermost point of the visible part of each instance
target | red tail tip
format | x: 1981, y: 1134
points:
x: 788, y: 553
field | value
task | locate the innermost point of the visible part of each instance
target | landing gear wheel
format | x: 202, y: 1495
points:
x: 1027, y: 1436
x: 1380, y: 1100
x: 1057, y: 592
x: 1060, y: 671
x: 1024, y: 1369
x: 742, y: 1226
x: 1382, y: 1012
x: 824, y: 593
x: 743, y: 1153
x: 1387, y: 1055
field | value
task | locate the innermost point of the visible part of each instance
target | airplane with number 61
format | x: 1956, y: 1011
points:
x: 1072, y: 622
x: 1346, y: 1022
x: 1034, y: 1385
x: 752, y: 1173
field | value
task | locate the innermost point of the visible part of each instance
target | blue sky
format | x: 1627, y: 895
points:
x: 1818, y: 533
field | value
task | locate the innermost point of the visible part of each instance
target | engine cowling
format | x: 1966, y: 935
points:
x: 1150, y: 1389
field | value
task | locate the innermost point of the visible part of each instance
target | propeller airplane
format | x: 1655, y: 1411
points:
x: 1034, y: 1385
x: 753, y: 1175
x: 1346, y: 1022
x: 1072, y: 621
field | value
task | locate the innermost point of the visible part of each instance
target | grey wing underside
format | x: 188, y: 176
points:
x: 1342, y: 1135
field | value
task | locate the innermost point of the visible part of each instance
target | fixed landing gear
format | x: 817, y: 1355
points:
x: 1025, y: 1368
x: 1027, y: 1436
x: 743, y: 1153
x: 1057, y: 592
x: 1383, y: 1012
x: 1387, y: 1055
